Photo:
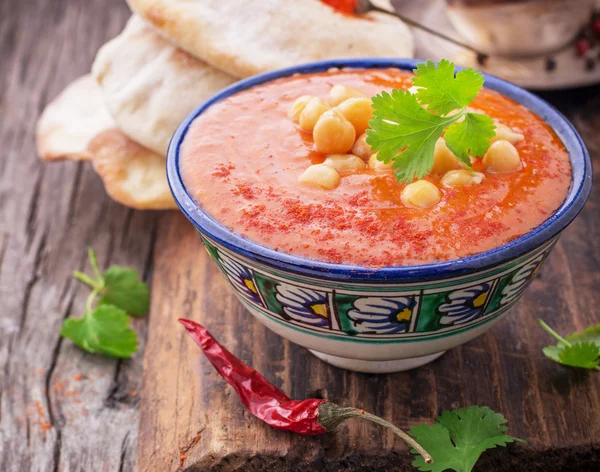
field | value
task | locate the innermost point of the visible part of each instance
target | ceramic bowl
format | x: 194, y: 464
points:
x: 392, y: 318
x: 525, y: 28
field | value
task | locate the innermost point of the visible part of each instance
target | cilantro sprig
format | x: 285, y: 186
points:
x: 406, y: 126
x: 575, y: 350
x: 459, y: 437
x: 105, y: 329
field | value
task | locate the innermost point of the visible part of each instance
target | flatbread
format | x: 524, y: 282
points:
x: 78, y: 126
x: 71, y: 121
x: 150, y: 86
x: 247, y: 37
x: 132, y: 175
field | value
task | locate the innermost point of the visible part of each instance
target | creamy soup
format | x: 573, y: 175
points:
x: 243, y: 161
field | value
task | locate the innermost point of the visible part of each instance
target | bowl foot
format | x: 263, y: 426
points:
x: 377, y: 367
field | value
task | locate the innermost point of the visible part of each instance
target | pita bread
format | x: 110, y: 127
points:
x: 78, y: 126
x: 69, y: 123
x: 132, y: 175
x: 247, y: 37
x: 150, y: 86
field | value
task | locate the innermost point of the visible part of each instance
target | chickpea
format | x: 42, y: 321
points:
x: 421, y: 194
x: 321, y: 176
x: 458, y: 178
x: 361, y: 148
x: 340, y: 93
x: 311, y: 113
x: 505, y: 133
x: 345, y: 162
x: 333, y: 134
x: 502, y: 156
x: 443, y: 158
x: 357, y: 111
x: 298, y: 106
x: 378, y: 165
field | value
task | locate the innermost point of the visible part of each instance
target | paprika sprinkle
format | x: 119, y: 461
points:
x: 265, y: 401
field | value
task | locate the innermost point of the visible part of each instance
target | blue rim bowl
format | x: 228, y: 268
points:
x: 578, y: 192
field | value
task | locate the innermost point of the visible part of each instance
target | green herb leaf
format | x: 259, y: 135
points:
x: 441, y: 91
x: 459, y: 438
x: 576, y: 350
x: 403, y: 132
x: 104, y: 330
x: 583, y: 354
x: 123, y: 289
x: 470, y: 137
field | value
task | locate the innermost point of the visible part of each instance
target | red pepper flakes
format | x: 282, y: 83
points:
x: 42, y: 421
x: 361, y: 199
x: 223, y: 170
x: 332, y: 255
x: 183, y: 450
x: 369, y: 226
x: 246, y: 191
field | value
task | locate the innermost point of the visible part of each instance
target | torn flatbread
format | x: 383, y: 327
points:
x: 247, y: 37
x: 150, y: 86
x: 71, y: 120
x: 132, y: 175
x: 77, y: 126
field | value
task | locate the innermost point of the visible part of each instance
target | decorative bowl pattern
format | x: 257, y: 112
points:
x: 391, y: 318
x: 378, y: 313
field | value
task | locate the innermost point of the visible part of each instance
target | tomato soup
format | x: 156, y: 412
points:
x: 242, y: 160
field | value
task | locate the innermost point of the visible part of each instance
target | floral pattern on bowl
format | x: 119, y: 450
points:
x: 376, y: 312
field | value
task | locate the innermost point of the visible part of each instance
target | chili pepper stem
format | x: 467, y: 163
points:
x: 332, y: 415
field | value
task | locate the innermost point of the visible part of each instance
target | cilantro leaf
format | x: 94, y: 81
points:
x: 576, y: 350
x: 470, y: 137
x: 402, y: 131
x: 104, y: 330
x: 591, y: 334
x: 118, y: 286
x: 122, y: 289
x: 459, y: 438
x: 583, y: 354
x: 441, y: 91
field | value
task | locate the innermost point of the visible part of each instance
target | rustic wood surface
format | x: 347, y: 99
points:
x: 64, y: 410
x: 60, y: 409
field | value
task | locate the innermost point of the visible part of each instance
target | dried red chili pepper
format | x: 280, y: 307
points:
x: 269, y: 404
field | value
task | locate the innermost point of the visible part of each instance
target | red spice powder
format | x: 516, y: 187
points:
x: 246, y: 191
x: 223, y: 170
x: 42, y: 421
x: 183, y: 450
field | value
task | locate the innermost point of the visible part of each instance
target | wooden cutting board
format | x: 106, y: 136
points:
x: 191, y: 419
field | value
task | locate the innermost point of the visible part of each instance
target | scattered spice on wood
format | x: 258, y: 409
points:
x: 312, y: 416
x: 42, y: 421
x: 183, y: 450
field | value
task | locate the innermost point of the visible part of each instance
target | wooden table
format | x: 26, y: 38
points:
x: 64, y: 410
